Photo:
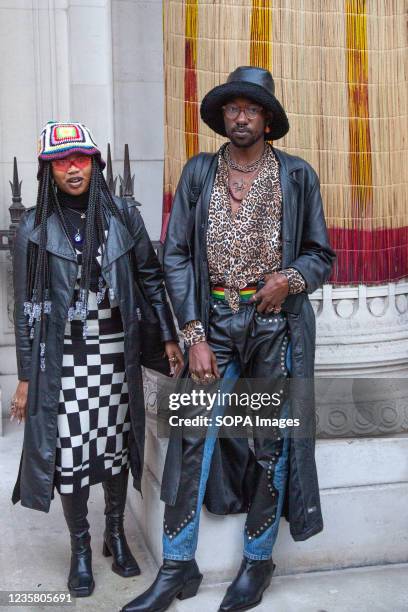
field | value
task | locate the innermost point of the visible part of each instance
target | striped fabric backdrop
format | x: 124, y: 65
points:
x: 341, y: 71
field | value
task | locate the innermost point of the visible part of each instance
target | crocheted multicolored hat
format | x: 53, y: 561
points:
x: 58, y: 140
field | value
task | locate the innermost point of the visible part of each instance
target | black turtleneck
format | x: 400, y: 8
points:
x: 72, y: 206
x: 77, y: 202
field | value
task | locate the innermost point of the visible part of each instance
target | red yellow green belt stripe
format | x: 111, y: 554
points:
x: 218, y: 292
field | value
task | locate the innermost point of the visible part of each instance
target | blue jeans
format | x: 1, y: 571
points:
x: 183, y: 546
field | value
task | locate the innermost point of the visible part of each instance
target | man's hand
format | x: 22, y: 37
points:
x: 175, y: 357
x: 19, y: 402
x: 273, y: 294
x: 202, y: 362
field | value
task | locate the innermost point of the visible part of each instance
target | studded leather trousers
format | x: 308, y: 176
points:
x: 255, y: 346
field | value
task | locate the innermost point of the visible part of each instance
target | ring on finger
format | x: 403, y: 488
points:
x: 209, y: 378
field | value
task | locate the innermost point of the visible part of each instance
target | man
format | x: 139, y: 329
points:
x: 247, y: 227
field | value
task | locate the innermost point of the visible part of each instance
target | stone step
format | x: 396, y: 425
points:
x: 362, y: 481
x: 363, y: 526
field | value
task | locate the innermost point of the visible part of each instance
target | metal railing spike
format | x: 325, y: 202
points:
x: 110, y: 181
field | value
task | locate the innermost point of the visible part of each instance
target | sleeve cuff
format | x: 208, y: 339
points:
x: 167, y: 328
x: 24, y: 373
x: 193, y: 333
x: 296, y: 281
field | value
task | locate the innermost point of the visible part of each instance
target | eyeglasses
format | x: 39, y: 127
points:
x: 80, y: 161
x: 232, y: 111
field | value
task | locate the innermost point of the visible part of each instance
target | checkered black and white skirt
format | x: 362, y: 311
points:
x: 93, y: 415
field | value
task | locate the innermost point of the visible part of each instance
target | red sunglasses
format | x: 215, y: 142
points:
x: 80, y: 161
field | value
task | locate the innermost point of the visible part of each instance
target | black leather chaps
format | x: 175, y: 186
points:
x: 259, y: 343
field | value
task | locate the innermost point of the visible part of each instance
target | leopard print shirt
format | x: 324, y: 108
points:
x: 242, y: 248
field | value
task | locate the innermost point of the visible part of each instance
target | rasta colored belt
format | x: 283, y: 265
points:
x: 222, y: 293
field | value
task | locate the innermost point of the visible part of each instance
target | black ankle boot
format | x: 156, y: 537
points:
x: 115, y: 544
x: 246, y: 591
x: 80, y: 579
x: 179, y: 579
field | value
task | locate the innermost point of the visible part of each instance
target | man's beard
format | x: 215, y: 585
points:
x: 254, y: 138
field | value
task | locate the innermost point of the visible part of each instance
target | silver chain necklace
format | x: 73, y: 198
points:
x: 81, y: 213
x: 243, y: 167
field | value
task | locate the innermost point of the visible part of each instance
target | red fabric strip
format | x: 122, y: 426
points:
x: 369, y: 257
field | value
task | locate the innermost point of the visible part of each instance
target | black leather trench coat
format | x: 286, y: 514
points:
x: 305, y: 247
x: 34, y: 485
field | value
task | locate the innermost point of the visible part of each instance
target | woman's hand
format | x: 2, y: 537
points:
x: 19, y: 402
x: 175, y: 357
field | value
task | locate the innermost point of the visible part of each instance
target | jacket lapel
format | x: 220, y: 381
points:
x: 58, y: 242
x: 118, y: 241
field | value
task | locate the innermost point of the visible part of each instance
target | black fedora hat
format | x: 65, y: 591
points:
x: 246, y: 82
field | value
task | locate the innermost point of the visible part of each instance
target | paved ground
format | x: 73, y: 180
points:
x: 34, y: 555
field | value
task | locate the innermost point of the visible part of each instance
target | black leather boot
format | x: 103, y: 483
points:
x: 179, y: 579
x: 80, y: 579
x: 247, y: 589
x: 114, y: 543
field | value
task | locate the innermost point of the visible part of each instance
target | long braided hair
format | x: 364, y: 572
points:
x: 38, y: 302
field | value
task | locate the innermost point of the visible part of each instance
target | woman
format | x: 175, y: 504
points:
x: 82, y: 261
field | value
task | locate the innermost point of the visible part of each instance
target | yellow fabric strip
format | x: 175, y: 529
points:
x: 260, y: 50
x: 190, y: 78
x: 359, y: 127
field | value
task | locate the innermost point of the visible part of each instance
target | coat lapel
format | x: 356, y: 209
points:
x: 118, y: 242
x: 200, y: 256
x: 58, y: 242
x: 290, y: 187
x: 203, y: 202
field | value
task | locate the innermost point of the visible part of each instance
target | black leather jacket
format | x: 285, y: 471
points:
x: 305, y: 246
x: 34, y: 485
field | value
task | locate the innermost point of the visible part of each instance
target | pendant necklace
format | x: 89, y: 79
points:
x: 82, y: 214
x: 238, y: 187
x: 78, y: 238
